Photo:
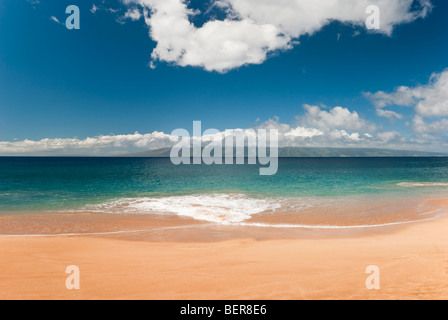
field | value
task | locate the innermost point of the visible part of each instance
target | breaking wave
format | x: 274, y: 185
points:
x: 218, y: 208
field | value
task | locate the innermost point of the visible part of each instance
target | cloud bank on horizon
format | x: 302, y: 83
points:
x: 318, y: 127
x: 253, y: 29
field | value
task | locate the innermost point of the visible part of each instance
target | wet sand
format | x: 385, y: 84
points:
x: 314, y: 264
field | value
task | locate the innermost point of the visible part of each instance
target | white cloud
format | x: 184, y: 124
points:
x: 289, y: 136
x: 53, y: 18
x: 337, y: 127
x: 302, y: 136
x: 402, y: 96
x: 388, y: 136
x: 298, y: 17
x: 433, y: 98
x: 103, y: 7
x: 430, y: 100
x: 94, y: 8
x: 336, y: 118
x: 217, y: 45
x: 436, y: 127
x: 101, y: 145
x: 134, y: 14
x: 34, y: 3
x: 253, y: 29
x: 301, y: 132
x: 388, y: 114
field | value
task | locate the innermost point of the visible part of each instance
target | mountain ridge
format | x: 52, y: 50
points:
x: 315, y: 152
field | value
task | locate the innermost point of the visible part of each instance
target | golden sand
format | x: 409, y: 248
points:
x: 413, y: 262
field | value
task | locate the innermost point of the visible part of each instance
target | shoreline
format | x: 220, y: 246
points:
x: 185, y: 230
x: 413, y: 262
x: 343, y: 219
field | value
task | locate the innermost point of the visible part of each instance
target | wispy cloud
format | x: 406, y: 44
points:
x: 34, y: 3
x: 429, y: 101
x: 53, y: 18
x: 388, y: 114
x: 134, y: 14
x: 94, y: 8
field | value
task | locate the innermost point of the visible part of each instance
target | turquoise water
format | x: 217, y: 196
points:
x: 36, y: 184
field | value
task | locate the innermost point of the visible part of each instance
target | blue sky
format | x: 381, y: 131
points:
x: 59, y: 83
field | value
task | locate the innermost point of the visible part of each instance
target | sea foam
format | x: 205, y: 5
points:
x: 422, y: 184
x: 218, y: 208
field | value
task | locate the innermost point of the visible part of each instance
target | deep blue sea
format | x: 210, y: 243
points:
x: 219, y: 193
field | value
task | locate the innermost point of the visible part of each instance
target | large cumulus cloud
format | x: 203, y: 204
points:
x: 253, y: 29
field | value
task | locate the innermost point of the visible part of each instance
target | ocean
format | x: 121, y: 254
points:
x: 319, y: 192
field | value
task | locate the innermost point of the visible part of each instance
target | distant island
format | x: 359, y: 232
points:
x: 315, y: 152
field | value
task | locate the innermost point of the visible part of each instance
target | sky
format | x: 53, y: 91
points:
x: 138, y: 69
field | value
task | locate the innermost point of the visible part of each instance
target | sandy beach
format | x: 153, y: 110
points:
x: 413, y: 262
x: 229, y: 150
